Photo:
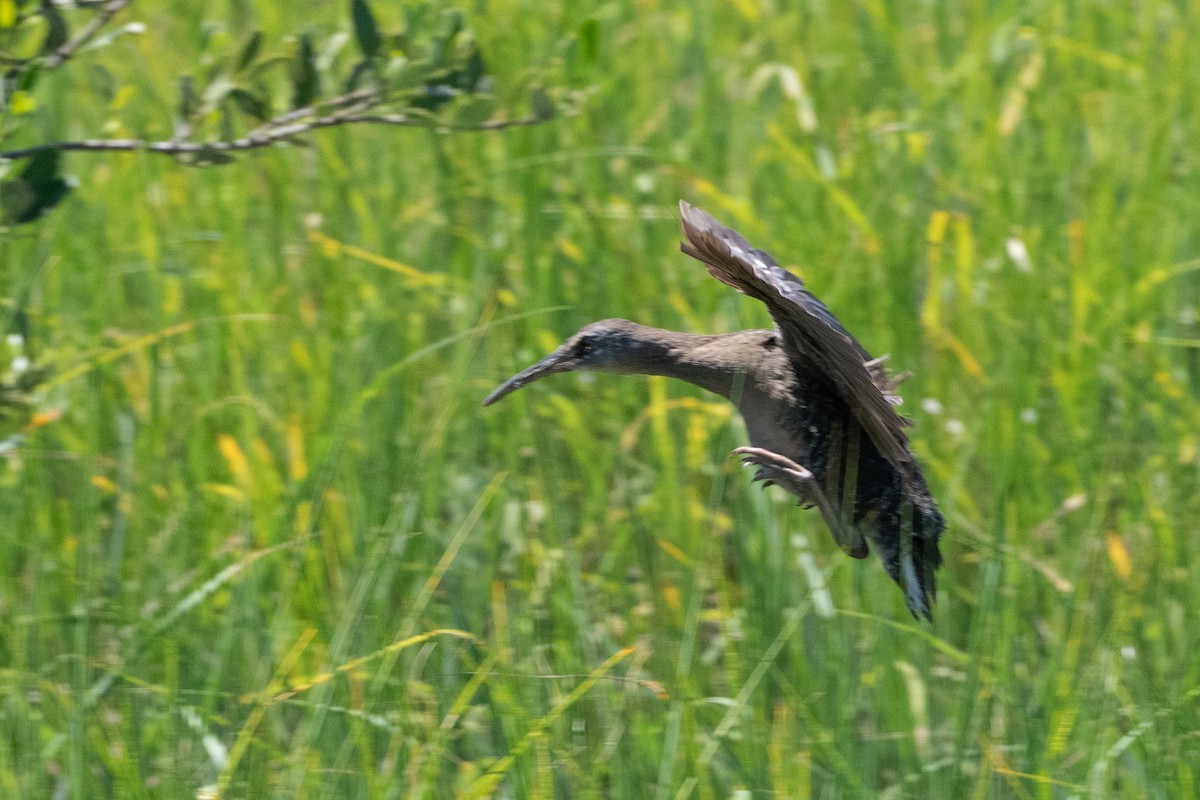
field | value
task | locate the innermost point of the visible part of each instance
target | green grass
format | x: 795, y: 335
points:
x: 274, y: 547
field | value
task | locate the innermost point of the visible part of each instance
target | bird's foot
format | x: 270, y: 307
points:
x: 781, y: 470
x: 776, y: 469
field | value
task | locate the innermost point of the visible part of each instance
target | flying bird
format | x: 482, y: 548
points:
x: 819, y: 410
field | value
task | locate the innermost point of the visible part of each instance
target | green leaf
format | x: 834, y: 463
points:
x: 216, y: 92
x: 188, y: 102
x: 433, y: 97
x: 208, y: 157
x: 225, y: 121
x: 589, y: 39
x: 21, y: 103
x: 456, y: 23
x: 103, y: 82
x: 29, y: 77
x: 57, y: 32
x: 365, y: 29
x: 474, y: 74
x: 362, y: 71
x: 249, y: 51
x: 250, y: 103
x: 36, y: 190
x: 305, y: 78
x: 541, y: 104
x: 129, y: 29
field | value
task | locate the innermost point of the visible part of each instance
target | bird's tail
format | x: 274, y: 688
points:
x: 907, y: 542
x: 867, y: 501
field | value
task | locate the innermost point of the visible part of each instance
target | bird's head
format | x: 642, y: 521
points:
x: 610, y: 345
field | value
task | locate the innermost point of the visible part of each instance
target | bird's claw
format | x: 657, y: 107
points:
x: 774, y: 468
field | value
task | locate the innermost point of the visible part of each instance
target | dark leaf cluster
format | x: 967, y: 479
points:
x: 424, y: 69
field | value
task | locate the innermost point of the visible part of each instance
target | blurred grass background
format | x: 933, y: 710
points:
x: 274, y: 548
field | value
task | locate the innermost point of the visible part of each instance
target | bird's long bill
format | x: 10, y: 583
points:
x: 555, y: 362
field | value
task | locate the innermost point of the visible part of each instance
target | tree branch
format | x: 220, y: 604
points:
x: 372, y: 105
x: 278, y: 130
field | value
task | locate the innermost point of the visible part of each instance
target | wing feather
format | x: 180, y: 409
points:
x: 811, y: 333
x: 872, y: 488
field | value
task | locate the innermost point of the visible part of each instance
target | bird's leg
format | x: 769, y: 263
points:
x: 774, y: 468
x: 781, y: 470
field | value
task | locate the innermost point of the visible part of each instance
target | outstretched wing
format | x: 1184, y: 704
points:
x: 872, y: 489
x: 812, y: 336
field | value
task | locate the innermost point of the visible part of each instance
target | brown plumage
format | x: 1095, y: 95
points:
x: 819, y: 411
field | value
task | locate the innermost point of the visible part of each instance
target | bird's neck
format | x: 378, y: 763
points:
x: 716, y: 363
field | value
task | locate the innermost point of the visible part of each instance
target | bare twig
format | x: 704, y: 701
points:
x: 267, y: 134
x: 371, y: 105
x: 367, y: 97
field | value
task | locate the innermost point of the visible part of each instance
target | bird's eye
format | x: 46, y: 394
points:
x: 583, y: 347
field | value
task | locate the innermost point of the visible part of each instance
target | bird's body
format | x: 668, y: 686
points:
x: 819, y: 411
